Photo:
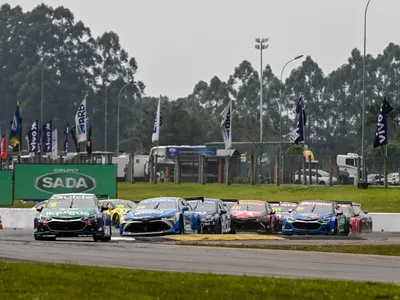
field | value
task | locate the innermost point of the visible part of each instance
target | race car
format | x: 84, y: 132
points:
x: 316, y: 217
x: 355, y: 220
x: 254, y: 215
x: 281, y: 210
x: 366, y: 221
x: 117, y: 209
x: 72, y: 215
x: 213, y: 216
x: 159, y: 216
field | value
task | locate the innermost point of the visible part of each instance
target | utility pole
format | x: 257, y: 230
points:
x: 261, y: 44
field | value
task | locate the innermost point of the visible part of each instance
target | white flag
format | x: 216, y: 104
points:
x: 80, y: 123
x: 157, y: 123
x: 54, y: 144
x: 226, y: 125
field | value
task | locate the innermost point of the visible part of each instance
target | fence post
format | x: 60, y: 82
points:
x: 277, y: 172
x: 304, y: 170
x: 357, y: 179
x: 177, y: 171
x: 330, y: 170
x: 309, y: 169
x: 252, y: 170
x: 201, y: 170
x: 151, y: 169
x: 282, y: 168
x: 385, y: 166
x: 226, y: 175
x: 205, y: 176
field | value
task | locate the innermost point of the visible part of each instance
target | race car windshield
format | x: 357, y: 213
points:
x: 248, y: 207
x: 282, y: 208
x: 346, y: 210
x: 357, y: 209
x: 160, y: 205
x: 71, y: 203
x: 123, y: 205
x: 201, y: 206
x: 313, y: 208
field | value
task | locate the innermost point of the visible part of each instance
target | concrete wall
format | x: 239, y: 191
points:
x: 23, y: 218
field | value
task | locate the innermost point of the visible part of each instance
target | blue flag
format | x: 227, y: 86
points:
x: 300, y: 121
x: 380, y: 136
x: 15, y: 133
x: 47, y: 137
x: 33, y: 138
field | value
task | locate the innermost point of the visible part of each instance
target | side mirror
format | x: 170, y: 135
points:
x: 365, y: 211
x: 39, y: 208
x: 272, y: 212
x: 104, y: 207
x: 290, y: 210
x: 356, y: 214
x: 185, y: 208
x: 223, y: 211
x: 339, y: 212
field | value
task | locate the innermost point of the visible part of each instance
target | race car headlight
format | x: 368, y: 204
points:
x: 290, y: 219
x: 168, y: 217
x: 325, y: 220
x: 91, y: 218
x: 209, y: 219
x: 45, y: 218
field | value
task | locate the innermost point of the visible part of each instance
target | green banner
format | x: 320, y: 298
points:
x: 6, y: 188
x: 40, y: 181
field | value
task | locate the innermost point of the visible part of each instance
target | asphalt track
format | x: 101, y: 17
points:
x: 139, y: 253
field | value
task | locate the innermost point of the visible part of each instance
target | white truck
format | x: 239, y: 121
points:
x: 347, y: 163
x: 139, y: 165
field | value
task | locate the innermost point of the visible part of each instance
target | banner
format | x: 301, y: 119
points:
x: 66, y: 134
x: 226, y: 125
x: 157, y: 123
x: 15, y: 133
x: 80, y: 123
x: 300, y: 121
x: 54, y: 142
x: 39, y: 181
x: 47, y: 137
x: 3, y: 152
x: 33, y: 138
x: 381, y: 131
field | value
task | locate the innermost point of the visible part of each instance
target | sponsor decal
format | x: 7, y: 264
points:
x: 156, y: 200
x: 251, y: 202
x: 67, y: 212
x: 65, y: 181
x: 316, y: 203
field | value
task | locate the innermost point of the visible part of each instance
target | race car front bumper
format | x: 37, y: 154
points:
x: 250, y: 225
x: 67, y: 228
x: 307, y: 227
x: 148, y: 226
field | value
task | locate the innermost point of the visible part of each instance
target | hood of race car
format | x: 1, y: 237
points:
x: 282, y: 215
x: 310, y: 216
x: 151, y: 214
x: 205, y: 214
x: 245, y: 214
x: 68, y: 213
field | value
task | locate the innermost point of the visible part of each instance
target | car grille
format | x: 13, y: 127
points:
x: 66, y: 226
x: 143, y: 227
x: 247, y: 225
x: 306, y: 225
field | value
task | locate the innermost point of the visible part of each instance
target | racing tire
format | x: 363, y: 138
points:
x: 322, y: 183
x: 115, y: 221
x: 103, y: 238
x: 218, y: 227
x: 181, y: 226
x: 198, y: 226
x: 233, y: 229
x: 39, y: 238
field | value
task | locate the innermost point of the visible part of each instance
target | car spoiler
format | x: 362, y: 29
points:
x: 102, y: 196
x: 344, y: 202
x: 230, y: 200
x: 194, y: 199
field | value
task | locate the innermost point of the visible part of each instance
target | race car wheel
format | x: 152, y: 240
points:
x: 233, y: 229
x: 218, y: 227
x: 198, y: 226
x: 181, y: 227
x: 336, y: 227
x: 322, y: 182
x: 115, y: 221
x: 39, y: 238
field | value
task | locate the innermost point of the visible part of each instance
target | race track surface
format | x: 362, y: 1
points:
x: 140, y: 254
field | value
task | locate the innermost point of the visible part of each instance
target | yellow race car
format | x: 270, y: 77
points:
x: 117, y: 209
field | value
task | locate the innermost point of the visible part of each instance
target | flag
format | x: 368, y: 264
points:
x: 15, y: 133
x: 3, y: 152
x: 380, y: 136
x: 89, y: 141
x: 33, y: 138
x: 300, y: 113
x: 66, y: 133
x: 157, y: 123
x: 226, y: 125
x: 75, y: 138
x: 47, y: 136
x: 80, y: 123
x: 54, y: 143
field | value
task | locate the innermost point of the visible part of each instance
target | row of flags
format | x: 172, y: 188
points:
x: 45, y: 139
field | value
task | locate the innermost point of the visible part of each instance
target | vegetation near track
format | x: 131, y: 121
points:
x: 393, y: 250
x: 48, y: 281
x: 373, y: 199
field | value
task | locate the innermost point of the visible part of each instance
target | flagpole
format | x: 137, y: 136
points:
x: 385, y: 165
x: 158, y: 116
x: 230, y: 125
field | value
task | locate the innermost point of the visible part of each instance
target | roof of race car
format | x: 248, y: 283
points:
x: 316, y: 202
x: 206, y: 200
x: 255, y: 202
x: 116, y: 200
x: 160, y: 199
x: 283, y: 203
x: 72, y: 195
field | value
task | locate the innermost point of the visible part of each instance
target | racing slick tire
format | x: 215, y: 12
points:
x: 198, y: 226
x: 115, y: 221
x: 39, y: 238
x: 103, y: 237
x: 218, y: 227
x: 181, y: 226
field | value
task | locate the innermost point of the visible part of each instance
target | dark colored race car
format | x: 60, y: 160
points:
x: 254, y: 216
x: 355, y: 220
x: 281, y: 210
x: 366, y: 220
x: 213, y: 216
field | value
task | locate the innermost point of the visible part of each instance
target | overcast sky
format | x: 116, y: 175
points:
x: 179, y: 42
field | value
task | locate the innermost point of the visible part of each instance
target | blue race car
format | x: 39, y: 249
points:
x: 213, y: 215
x: 159, y: 216
x: 316, y: 217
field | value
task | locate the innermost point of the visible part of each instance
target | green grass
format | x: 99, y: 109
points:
x: 46, y: 281
x: 372, y: 199
x: 392, y: 250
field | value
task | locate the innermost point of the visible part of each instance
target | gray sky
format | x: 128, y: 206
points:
x: 179, y: 42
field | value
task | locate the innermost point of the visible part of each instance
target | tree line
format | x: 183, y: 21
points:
x: 49, y: 43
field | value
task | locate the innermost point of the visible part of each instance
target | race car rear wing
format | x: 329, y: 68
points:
x: 102, y: 196
x: 344, y: 202
x: 194, y: 199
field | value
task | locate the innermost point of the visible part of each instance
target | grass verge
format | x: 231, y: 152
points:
x: 374, y: 199
x: 46, y: 281
x: 392, y: 250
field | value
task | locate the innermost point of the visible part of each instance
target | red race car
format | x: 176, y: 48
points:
x: 254, y: 215
x: 355, y: 220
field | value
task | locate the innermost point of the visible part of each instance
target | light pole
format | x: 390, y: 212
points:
x: 280, y: 117
x: 119, y: 94
x: 41, y: 101
x: 363, y: 101
x: 105, y: 120
x: 261, y: 44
